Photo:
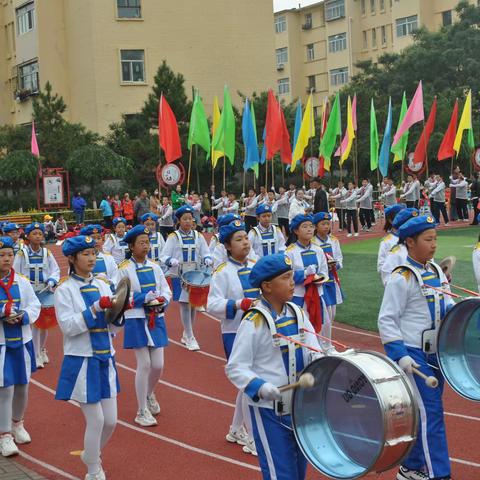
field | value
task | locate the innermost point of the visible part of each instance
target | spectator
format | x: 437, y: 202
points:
x: 155, y: 201
x: 165, y: 218
x: 49, y: 228
x: 320, y: 200
x: 127, y: 208
x: 107, y: 213
x: 475, y: 197
x: 178, y: 199
x: 117, y: 207
x: 142, y: 206
x: 206, y: 205
x: 78, y: 206
x: 60, y: 228
x: 196, y: 204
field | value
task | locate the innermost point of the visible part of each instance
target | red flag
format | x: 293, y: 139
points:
x: 168, y: 131
x: 421, y: 149
x: 325, y: 114
x: 285, y: 148
x: 446, y: 147
x: 34, y: 144
x: 273, y: 126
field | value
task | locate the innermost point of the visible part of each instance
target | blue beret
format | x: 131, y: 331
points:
x: 34, y: 226
x: 182, y: 210
x: 9, y: 227
x: 134, y: 232
x: 228, y: 230
x: 269, y: 267
x: 394, y: 209
x: 263, y: 208
x: 227, y: 218
x: 118, y: 220
x: 403, y: 216
x: 299, y: 219
x: 318, y: 217
x: 77, y: 244
x: 416, y: 225
x: 6, y: 242
x: 91, y: 229
x: 149, y: 216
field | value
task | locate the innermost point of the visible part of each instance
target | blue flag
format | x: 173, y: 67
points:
x: 298, y: 123
x: 264, y: 149
x: 249, y: 139
x: 387, y: 139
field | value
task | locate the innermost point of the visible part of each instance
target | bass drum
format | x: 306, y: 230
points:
x: 458, y: 348
x: 360, y: 417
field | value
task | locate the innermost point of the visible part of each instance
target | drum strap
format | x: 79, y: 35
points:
x: 268, y: 240
x: 155, y: 245
x: 36, y: 268
x: 188, y: 244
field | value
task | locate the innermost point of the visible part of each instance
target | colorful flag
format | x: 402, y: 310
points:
x: 354, y: 112
x: 307, y: 131
x: 298, y: 123
x: 465, y: 124
x: 373, y: 138
x: 273, y: 126
x: 34, y: 144
x: 385, y: 148
x: 224, y: 138
x: 323, y: 127
x: 285, y: 147
x: 249, y: 139
x: 198, y: 133
x: 254, y: 122
x: 414, y: 114
x: 263, y: 157
x: 216, y: 154
x: 168, y: 132
x: 332, y: 131
x: 400, y: 148
x: 343, y: 151
x: 446, y: 147
x: 420, y: 154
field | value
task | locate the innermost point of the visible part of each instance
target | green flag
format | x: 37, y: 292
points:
x: 224, y: 138
x: 333, y: 130
x: 400, y: 147
x: 373, y: 138
x: 254, y: 122
x: 198, y: 133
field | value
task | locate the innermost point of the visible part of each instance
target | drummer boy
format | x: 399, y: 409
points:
x: 258, y: 367
x: 408, y: 320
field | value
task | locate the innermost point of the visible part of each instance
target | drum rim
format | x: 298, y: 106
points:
x: 196, y: 285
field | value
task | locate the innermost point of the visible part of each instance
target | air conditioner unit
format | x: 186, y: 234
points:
x: 280, y: 67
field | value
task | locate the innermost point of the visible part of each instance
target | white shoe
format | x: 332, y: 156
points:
x: 152, y: 404
x: 250, y: 448
x: 39, y: 362
x: 19, y: 433
x: 100, y: 475
x: 201, y: 309
x: 355, y: 234
x: 406, y: 474
x: 237, y: 436
x: 349, y: 235
x: 7, y: 445
x: 192, y: 344
x: 43, y: 356
x: 183, y: 339
x: 145, y: 418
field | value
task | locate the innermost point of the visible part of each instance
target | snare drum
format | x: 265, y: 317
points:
x: 47, y: 318
x: 360, y: 417
x: 458, y: 348
x: 198, y: 286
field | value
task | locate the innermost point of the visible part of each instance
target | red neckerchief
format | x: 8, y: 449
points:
x: 6, y: 287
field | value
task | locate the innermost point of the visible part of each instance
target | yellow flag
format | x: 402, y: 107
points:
x: 350, y: 133
x: 465, y: 122
x: 216, y: 154
x: 307, y: 131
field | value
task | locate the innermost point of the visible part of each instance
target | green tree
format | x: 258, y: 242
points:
x: 14, y: 137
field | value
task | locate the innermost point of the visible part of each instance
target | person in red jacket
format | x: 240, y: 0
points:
x: 117, y: 207
x: 127, y: 207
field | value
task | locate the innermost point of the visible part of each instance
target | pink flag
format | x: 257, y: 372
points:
x: 414, y: 114
x: 35, y: 150
x: 354, y: 112
x: 343, y: 145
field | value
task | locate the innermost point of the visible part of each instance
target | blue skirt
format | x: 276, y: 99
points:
x: 17, y: 364
x: 137, y: 333
x: 176, y: 288
x: 87, y: 379
x: 228, y: 339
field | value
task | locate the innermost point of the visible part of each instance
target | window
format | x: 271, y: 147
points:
x: 280, y: 24
x: 363, y: 9
x: 382, y: 5
x: 308, y: 22
x: 338, y: 76
x: 365, y: 40
x: 384, y: 36
x: 447, y: 18
x: 28, y: 76
x: 312, y: 84
x: 372, y: 6
x: 334, y: 9
x: 337, y: 43
x: 374, y: 38
x: 406, y: 25
x: 283, y: 86
x: 129, y: 9
x: 310, y: 52
x: 25, y: 18
x: 133, y: 65
x: 282, y: 55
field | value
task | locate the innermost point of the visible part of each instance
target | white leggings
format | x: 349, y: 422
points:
x: 149, y: 371
x: 241, y: 415
x: 187, y: 314
x: 332, y: 310
x: 13, y: 402
x: 39, y: 339
x: 100, y: 418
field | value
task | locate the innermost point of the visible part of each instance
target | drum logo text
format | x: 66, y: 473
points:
x: 354, y: 388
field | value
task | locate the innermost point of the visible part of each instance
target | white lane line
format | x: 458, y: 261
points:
x: 459, y: 415
x: 356, y: 332
x: 163, y: 438
x: 47, y: 466
x: 465, y: 462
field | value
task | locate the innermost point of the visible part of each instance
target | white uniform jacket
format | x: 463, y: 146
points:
x: 263, y: 247
x: 395, y: 257
x: 49, y: 266
x: 113, y: 246
x: 386, y: 244
x: 220, y: 255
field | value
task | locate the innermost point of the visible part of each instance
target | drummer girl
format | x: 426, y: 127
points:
x: 185, y: 249
x: 17, y: 358
x: 145, y: 329
x: 156, y: 238
x: 230, y: 296
x: 332, y: 293
x: 391, y: 238
x: 12, y: 230
x: 406, y: 320
x: 39, y: 265
x: 88, y: 373
x: 115, y: 243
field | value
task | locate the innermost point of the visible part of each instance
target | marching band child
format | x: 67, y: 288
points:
x: 115, y: 243
x: 38, y: 264
x: 156, y: 238
x: 185, y: 249
x: 145, y: 329
x: 258, y: 367
x: 266, y: 238
x: 391, y: 238
x: 12, y: 230
x: 17, y: 356
x: 88, y: 373
x: 230, y: 296
x: 408, y: 320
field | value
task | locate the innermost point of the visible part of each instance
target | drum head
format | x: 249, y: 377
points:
x: 46, y: 298
x: 120, y: 301
x: 458, y: 348
x: 197, y: 278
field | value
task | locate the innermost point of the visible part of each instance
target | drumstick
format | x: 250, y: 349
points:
x: 341, y: 345
x: 306, y: 380
x: 298, y: 343
x: 445, y: 292
x: 471, y: 292
x: 430, y: 381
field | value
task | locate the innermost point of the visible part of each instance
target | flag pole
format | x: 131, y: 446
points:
x: 425, y: 145
x: 266, y: 172
x: 159, y: 146
x: 273, y: 173
x: 355, y: 161
x: 189, y: 169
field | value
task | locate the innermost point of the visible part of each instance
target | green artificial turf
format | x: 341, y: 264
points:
x: 362, y: 286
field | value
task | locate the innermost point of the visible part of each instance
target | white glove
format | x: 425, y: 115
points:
x: 174, y: 262
x: 406, y: 363
x: 269, y: 392
x: 310, y: 270
x: 51, y: 285
x: 208, y: 262
x: 242, y: 195
x: 152, y: 295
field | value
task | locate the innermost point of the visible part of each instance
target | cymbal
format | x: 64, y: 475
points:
x: 120, y: 301
x: 447, y: 264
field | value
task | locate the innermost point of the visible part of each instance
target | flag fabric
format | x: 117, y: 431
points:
x: 273, y: 126
x: 323, y: 127
x: 285, y: 147
x: 465, y: 124
x: 331, y: 133
x: 446, y: 147
x: 254, y: 123
x: 400, y: 148
x: 414, y: 114
x: 354, y: 112
x: 420, y: 154
x: 249, y: 139
x: 373, y: 138
x: 298, y: 123
x: 343, y: 151
x: 168, y: 132
x: 307, y: 131
x: 34, y: 145
x: 263, y: 157
x: 224, y: 138
x: 216, y: 154
x: 385, y: 148
x: 198, y: 133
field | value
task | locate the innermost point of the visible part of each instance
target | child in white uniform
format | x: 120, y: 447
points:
x: 105, y: 264
x: 266, y: 238
x: 150, y: 220
x: 391, y: 238
x: 115, y: 243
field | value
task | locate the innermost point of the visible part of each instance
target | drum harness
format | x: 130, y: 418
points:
x: 36, y: 267
x: 268, y: 239
x: 189, y: 249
